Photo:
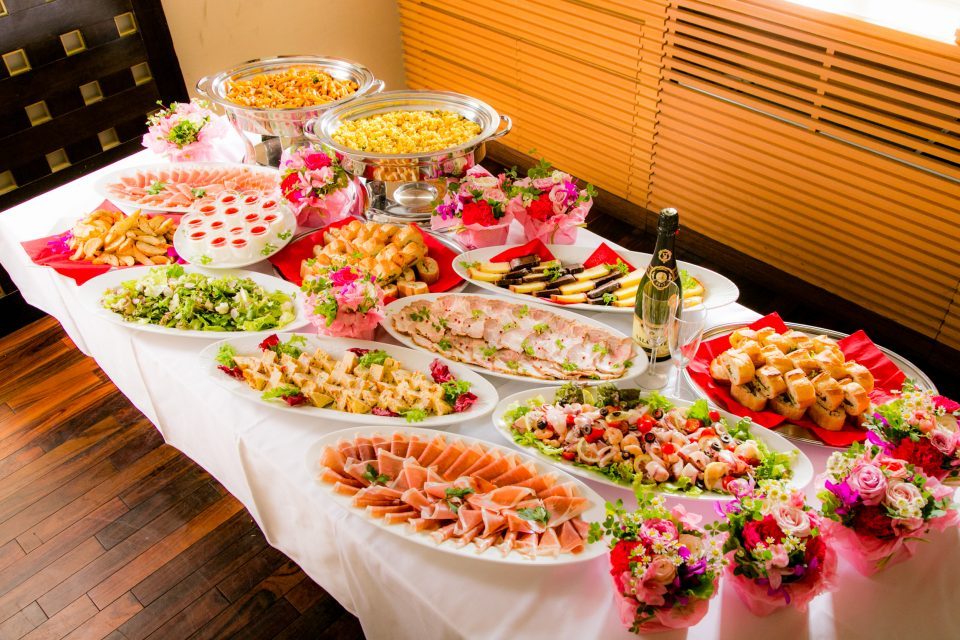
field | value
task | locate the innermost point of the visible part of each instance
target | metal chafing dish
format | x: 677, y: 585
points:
x: 286, y: 124
x: 403, y: 186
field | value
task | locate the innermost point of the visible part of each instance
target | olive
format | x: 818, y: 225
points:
x: 542, y: 424
x: 725, y: 438
x: 716, y: 446
x: 657, y: 414
x: 604, y: 411
x: 632, y: 427
x: 650, y: 438
x: 616, y: 415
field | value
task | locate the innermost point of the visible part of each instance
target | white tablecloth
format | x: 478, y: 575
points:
x: 396, y: 588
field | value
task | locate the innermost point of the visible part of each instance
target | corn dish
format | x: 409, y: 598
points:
x: 289, y: 89
x: 407, y: 132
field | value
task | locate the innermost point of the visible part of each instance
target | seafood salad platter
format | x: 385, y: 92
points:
x: 624, y: 437
x: 517, y: 341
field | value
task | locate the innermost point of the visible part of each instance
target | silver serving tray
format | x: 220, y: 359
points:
x: 788, y: 429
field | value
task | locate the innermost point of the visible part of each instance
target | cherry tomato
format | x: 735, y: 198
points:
x: 570, y: 419
x: 714, y: 416
x: 568, y: 455
x: 692, y: 424
x: 707, y: 433
x: 668, y: 448
x: 618, y: 424
x: 645, y: 423
x: 594, y: 435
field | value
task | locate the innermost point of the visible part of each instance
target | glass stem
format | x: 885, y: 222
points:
x: 676, y: 392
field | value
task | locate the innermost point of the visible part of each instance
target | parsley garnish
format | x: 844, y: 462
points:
x: 455, y: 497
x: 477, y: 313
x: 539, y: 514
x: 513, y: 364
x: 453, y: 389
x: 601, y: 349
x: 554, y: 272
x: 622, y: 267
x: 283, y: 235
x: 609, y: 298
x: 628, y: 364
x: 444, y: 344
x: 522, y: 311
x: 568, y: 366
x: 488, y: 351
x: 267, y: 249
x: 509, y: 326
x: 469, y: 265
x: 204, y: 259
x: 371, y: 476
x: 420, y: 316
x: 559, y: 343
x: 527, y: 349
x: 156, y: 188
x: 541, y: 327
x: 199, y: 192
x: 281, y: 391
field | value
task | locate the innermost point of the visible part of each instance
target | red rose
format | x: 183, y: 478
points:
x: 288, y: 187
x: 541, y: 208
x: 620, y: 557
x: 316, y: 161
x: 816, y: 548
x: 921, y: 453
x: 757, y: 531
x: 873, y: 521
x: 479, y: 212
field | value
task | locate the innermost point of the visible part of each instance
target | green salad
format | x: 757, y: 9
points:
x: 641, y: 439
x: 172, y: 297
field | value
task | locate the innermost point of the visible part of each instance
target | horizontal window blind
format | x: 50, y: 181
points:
x: 822, y: 145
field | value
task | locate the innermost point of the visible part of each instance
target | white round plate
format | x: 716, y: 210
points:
x: 92, y: 290
x: 802, y: 467
x: 720, y: 291
x: 336, y: 347
x: 279, y: 240
x: 639, y: 357
x: 129, y: 205
x: 596, y: 512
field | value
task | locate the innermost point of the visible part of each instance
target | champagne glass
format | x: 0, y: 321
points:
x: 683, y: 338
x: 658, y: 308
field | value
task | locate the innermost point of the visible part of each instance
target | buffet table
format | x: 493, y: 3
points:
x: 396, y: 588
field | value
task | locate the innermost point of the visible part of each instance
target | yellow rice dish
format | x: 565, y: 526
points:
x: 289, y: 89
x: 407, y: 132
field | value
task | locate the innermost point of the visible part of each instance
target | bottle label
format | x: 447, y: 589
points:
x: 641, y: 338
x: 661, y: 276
x: 664, y: 255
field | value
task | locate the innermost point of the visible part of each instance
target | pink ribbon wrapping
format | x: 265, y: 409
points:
x: 663, y: 619
x: 762, y: 602
x: 474, y: 236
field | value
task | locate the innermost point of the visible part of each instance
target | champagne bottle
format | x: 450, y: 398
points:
x: 661, y: 271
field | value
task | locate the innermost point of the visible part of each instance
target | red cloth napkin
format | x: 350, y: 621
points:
x: 856, y: 347
x: 288, y: 260
x: 48, y: 252
x: 535, y: 246
x: 605, y: 255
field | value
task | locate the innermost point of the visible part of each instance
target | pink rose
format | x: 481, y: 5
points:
x: 927, y: 424
x: 316, y: 161
x: 943, y: 440
x: 904, y: 492
x: 895, y: 469
x: 665, y: 528
x: 543, y: 184
x: 868, y: 480
x: 660, y: 571
x: 691, y: 542
x: 792, y: 520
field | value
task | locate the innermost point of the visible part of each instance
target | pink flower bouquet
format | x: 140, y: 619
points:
x: 664, y: 569
x: 877, y: 508
x: 549, y: 204
x: 188, y: 132
x: 777, y: 554
x: 316, y: 186
x: 920, y: 428
x: 473, y: 209
x: 344, y: 302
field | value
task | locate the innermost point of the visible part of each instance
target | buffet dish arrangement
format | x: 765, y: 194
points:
x: 415, y: 152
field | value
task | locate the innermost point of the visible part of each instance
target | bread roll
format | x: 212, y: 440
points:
x: 718, y: 371
x: 770, y: 381
x: 781, y: 343
x: 855, y: 398
x: 409, y: 288
x: 802, y: 360
x: 774, y: 357
x: 429, y: 270
x: 786, y: 407
x: 740, y: 335
x: 822, y: 343
x: 830, y: 419
x: 739, y: 366
x: 799, y: 388
x: 860, y: 374
x: 831, y: 362
x: 763, y: 334
x: 752, y: 349
x: 748, y: 395
x: 829, y: 393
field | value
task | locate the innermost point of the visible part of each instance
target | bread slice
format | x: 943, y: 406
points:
x: 829, y: 393
x: 831, y: 420
x: 739, y: 366
x: 429, y: 270
x: 859, y: 374
x: 799, y: 388
x: 718, y: 371
x: 769, y: 381
x: 855, y: 398
x: 785, y: 406
x: 748, y: 395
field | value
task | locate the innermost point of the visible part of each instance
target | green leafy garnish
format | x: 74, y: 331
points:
x: 371, y: 476
x: 291, y: 347
x: 283, y: 235
x: 198, y: 192
x: 488, y: 351
x: 225, y: 355
x: 420, y: 316
x: 540, y: 327
x: 509, y: 326
x: 281, y: 391
x: 656, y: 401
x: 554, y: 272
x: 609, y: 298
x: 601, y: 349
x: 559, y: 343
x: 527, y: 348
x: 687, y: 281
x: 699, y: 411
x: 568, y: 366
x: 453, y: 389
x: 469, y: 265
x: 455, y: 496
x: 268, y: 249
x: 476, y: 313
x: 622, y: 267
x: 414, y: 415
x: 444, y: 344
x: 538, y: 514
x: 156, y: 188
x: 513, y: 364
x: 379, y: 356
x: 522, y: 311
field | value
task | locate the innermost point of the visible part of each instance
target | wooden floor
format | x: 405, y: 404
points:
x: 106, y: 532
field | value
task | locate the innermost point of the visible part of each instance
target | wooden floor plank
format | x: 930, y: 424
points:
x: 107, y: 620
x: 88, y: 468
x: 23, y: 622
x: 75, y: 614
x: 111, y: 561
x: 162, y: 552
